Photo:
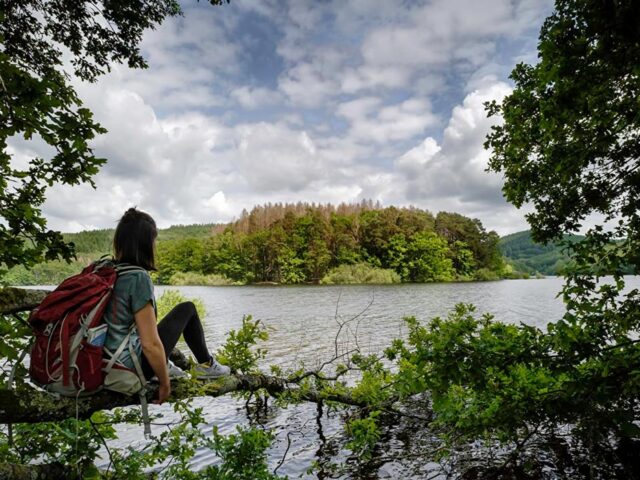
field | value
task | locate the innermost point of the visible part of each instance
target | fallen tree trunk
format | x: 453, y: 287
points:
x: 27, y: 404
x: 12, y: 471
x: 14, y: 300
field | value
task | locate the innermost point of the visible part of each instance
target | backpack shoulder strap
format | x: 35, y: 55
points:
x: 142, y: 393
x: 127, y: 343
x: 115, y: 355
x: 124, y: 268
x: 103, y: 261
x: 120, y: 268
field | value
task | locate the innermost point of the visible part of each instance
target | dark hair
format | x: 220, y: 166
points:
x: 134, y: 237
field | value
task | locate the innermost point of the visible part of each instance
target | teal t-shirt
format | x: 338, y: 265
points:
x: 132, y: 291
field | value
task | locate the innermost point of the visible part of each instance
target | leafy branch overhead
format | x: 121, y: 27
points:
x: 570, y: 141
x: 39, y: 104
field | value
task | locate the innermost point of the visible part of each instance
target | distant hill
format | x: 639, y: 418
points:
x: 527, y: 256
x: 90, y: 245
x: 94, y: 242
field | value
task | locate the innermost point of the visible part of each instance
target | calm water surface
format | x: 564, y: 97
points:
x: 303, y: 321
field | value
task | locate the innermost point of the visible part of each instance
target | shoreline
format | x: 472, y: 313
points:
x: 275, y: 284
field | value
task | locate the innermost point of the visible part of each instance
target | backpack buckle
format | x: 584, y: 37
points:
x: 48, y: 329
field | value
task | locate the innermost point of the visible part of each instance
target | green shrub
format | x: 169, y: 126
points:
x: 360, y: 273
x: 195, y: 278
x: 243, y: 455
x: 171, y: 298
x: 238, y: 351
x: 516, y: 275
x: 46, y: 273
x: 484, y: 274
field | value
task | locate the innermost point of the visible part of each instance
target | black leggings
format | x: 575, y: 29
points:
x: 181, y: 320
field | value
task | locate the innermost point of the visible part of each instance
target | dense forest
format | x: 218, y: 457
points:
x: 525, y: 255
x: 553, y: 258
x: 308, y: 243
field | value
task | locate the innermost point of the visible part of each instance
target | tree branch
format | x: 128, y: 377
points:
x: 12, y: 471
x: 27, y: 404
x: 13, y: 300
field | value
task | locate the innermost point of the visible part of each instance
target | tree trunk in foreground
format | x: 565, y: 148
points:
x: 51, y: 471
x: 13, y: 300
x: 28, y: 404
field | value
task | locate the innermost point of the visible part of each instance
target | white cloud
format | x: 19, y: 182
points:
x: 452, y: 175
x: 358, y: 109
x: 443, y: 31
x: 273, y: 157
x: 391, y: 46
x: 415, y: 160
x: 255, y: 97
x: 311, y: 83
x: 352, y: 106
x: 389, y: 123
x: 191, y: 58
x: 163, y: 165
x: 219, y: 207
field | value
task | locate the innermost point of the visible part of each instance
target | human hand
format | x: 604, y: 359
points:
x: 163, y: 393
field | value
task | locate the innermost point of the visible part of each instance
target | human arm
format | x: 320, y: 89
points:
x: 152, y: 348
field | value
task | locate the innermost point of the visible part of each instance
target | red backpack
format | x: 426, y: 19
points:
x: 67, y: 356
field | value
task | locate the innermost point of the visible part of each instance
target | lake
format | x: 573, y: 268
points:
x: 303, y: 321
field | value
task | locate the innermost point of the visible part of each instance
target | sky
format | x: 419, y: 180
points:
x: 305, y: 100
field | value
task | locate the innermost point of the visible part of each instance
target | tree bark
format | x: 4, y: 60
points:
x: 51, y: 471
x: 13, y: 300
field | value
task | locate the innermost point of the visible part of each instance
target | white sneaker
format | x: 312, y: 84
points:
x: 174, y: 372
x: 214, y: 370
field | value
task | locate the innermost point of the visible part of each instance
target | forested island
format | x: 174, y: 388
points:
x: 308, y: 243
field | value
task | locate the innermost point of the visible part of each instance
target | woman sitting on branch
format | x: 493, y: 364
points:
x: 134, y: 244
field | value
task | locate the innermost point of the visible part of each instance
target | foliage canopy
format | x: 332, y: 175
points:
x: 570, y: 145
x: 570, y: 142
